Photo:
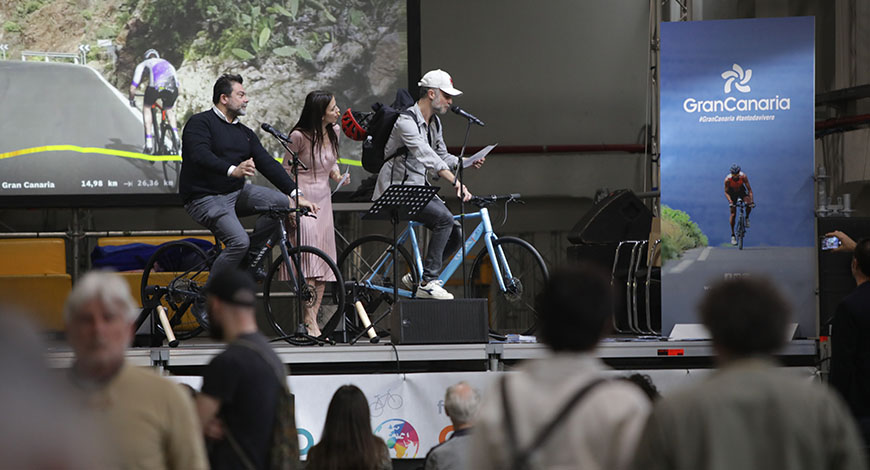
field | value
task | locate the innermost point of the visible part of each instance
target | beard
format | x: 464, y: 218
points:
x: 440, y: 105
x: 237, y: 110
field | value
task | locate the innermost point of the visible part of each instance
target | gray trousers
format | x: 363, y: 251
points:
x: 446, y: 236
x: 220, y: 213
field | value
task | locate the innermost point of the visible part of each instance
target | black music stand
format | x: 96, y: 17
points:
x: 397, y: 203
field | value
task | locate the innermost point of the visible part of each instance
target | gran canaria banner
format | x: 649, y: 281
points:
x: 737, y: 104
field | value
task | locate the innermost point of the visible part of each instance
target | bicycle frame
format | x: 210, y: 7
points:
x: 741, y: 213
x: 483, y: 229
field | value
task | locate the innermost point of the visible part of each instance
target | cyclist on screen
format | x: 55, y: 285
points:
x: 737, y: 186
x: 162, y: 84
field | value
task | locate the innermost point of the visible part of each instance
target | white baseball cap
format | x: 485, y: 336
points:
x: 439, y: 79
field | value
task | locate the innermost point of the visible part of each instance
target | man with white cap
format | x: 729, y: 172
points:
x: 418, y: 148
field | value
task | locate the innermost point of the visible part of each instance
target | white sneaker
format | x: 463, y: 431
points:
x: 433, y: 290
x: 747, y: 223
x: 733, y: 240
x: 408, y: 281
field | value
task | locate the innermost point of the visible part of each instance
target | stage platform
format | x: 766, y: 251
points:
x: 364, y: 357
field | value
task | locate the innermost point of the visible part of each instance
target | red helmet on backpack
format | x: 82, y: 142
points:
x: 353, y: 123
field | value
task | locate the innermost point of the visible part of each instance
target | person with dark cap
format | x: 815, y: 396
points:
x: 239, y: 400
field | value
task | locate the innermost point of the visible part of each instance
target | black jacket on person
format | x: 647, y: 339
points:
x: 850, y: 354
x: 210, y: 145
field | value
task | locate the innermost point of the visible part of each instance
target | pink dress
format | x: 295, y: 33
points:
x: 314, y: 184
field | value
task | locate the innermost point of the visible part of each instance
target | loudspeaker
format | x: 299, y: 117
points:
x: 619, y: 216
x: 439, y: 322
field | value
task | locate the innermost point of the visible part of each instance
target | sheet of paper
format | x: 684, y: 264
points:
x: 344, y: 178
x: 467, y: 162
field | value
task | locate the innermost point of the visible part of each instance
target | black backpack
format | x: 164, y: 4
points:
x: 379, y: 128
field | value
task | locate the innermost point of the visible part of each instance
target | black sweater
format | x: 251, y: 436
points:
x: 210, y: 145
x: 850, y: 353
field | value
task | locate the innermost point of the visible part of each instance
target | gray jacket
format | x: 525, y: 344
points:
x: 421, y: 158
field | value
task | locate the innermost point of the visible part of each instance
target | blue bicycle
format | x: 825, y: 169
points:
x: 508, y: 271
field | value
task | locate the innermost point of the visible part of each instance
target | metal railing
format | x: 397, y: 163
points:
x: 77, y: 58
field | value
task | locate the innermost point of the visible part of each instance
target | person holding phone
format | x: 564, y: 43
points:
x: 315, y: 142
x: 850, y: 329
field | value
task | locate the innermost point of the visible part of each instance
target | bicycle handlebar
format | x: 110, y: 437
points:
x: 281, y: 210
x: 482, y: 201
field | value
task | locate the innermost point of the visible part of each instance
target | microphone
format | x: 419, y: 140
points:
x: 466, y: 115
x: 275, y: 132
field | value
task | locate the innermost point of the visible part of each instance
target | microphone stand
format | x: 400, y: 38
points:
x: 301, y: 330
x: 459, y: 174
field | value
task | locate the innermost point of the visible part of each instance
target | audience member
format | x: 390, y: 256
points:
x: 591, y: 423
x: 149, y: 421
x: 461, y: 403
x: 748, y: 414
x: 42, y: 428
x: 850, y: 350
x: 242, y: 387
x: 347, y: 440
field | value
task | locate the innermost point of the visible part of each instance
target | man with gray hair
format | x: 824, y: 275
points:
x: 148, y: 421
x: 461, y: 404
x: 415, y: 151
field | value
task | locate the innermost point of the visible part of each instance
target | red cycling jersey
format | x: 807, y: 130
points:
x: 735, y: 184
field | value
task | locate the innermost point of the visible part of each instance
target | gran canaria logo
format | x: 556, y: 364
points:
x: 739, y: 75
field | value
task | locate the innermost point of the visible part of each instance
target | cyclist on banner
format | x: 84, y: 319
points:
x: 162, y: 84
x: 737, y: 187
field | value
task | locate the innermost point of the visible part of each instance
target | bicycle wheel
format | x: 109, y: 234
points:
x: 156, y: 135
x: 368, y: 263
x: 178, y: 270
x: 281, y: 296
x: 511, y: 310
x: 167, y: 140
x: 741, y: 230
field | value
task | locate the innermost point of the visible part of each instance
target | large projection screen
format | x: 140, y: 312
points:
x: 70, y: 137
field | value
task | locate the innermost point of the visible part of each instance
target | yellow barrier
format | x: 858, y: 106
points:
x: 39, y: 295
x: 32, y: 256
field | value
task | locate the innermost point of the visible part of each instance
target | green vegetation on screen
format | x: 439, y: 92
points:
x: 679, y: 233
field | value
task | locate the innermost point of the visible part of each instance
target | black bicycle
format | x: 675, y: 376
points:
x: 165, y: 142
x: 175, y: 276
x: 740, y: 230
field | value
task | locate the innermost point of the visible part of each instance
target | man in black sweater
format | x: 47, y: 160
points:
x: 218, y: 152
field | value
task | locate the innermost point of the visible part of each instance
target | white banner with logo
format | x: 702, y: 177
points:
x: 407, y: 410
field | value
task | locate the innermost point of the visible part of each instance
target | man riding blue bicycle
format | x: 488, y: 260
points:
x: 426, y: 152
x: 163, y: 85
x: 737, y: 187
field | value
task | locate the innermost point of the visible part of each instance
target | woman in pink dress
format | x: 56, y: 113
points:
x: 315, y: 141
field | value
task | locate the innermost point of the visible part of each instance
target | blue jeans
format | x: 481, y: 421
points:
x: 446, y: 236
x: 220, y: 213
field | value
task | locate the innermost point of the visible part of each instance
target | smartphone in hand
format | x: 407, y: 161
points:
x: 829, y: 243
